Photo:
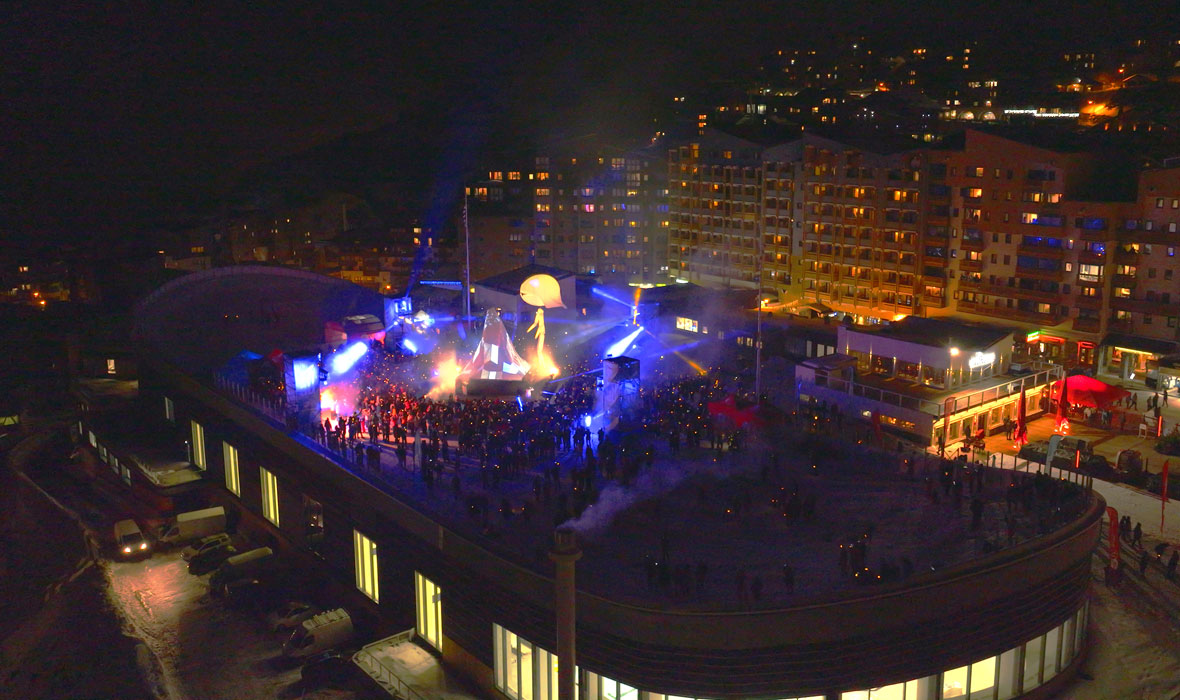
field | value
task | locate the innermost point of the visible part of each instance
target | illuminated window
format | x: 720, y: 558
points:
x: 169, y: 410
x: 523, y: 671
x: 513, y: 175
x: 110, y: 366
x: 233, y: 481
x: 270, y: 496
x: 364, y: 551
x: 428, y: 603
x: 687, y: 324
x: 198, y: 455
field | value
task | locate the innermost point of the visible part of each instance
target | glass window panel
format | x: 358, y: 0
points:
x: 1080, y: 628
x: 1067, y: 640
x: 498, y: 653
x: 1009, y: 686
x: 855, y: 695
x: 922, y: 688
x: 1034, y: 651
x: 526, y: 670
x: 983, y: 679
x: 954, y: 683
x: 1052, y: 649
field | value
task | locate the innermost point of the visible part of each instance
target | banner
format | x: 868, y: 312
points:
x: 1113, y: 538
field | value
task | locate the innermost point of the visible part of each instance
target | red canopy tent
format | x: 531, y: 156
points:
x: 1087, y: 391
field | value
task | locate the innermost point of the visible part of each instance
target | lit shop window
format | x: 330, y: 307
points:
x: 270, y: 495
x: 687, y: 324
x: 428, y: 603
x: 233, y: 480
x: 198, y: 455
x: 523, y: 671
x: 365, y: 561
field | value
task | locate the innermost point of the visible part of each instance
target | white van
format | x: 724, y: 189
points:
x: 193, y: 526
x: 129, y: 540
x: 325, y: 631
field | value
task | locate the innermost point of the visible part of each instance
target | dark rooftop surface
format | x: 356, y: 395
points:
x: 203, y: 319
x: 939, y: 333
x: 510, y: 281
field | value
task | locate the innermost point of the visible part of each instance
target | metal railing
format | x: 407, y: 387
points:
x: 1013, y: 463
x: 274, y: 409
x: 386, y: 678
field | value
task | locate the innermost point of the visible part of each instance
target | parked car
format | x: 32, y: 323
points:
x: 203, y: 544
x: 290, y: 615
x: 325, y: 631
x: 129, y: 540
x: 253, y: 563
x: 210, y: 559
x: 254, y: 594
x: 327, y: 668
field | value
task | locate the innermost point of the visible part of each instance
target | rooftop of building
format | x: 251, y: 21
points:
x: 511, y: 280
x: 937, y: 332
x: 202, y: 320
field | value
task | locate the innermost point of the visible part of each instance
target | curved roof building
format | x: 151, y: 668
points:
x: 978, y: 616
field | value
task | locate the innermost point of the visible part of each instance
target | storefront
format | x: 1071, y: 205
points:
x: 1039, y: 345
x: 1131, y: 357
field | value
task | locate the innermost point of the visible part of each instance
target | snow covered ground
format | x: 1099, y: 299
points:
x: 199, y: 648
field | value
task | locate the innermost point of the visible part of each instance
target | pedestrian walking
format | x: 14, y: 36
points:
x: 1137, y: 535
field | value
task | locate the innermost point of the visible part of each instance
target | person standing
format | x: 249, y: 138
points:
x: 1137, y: 535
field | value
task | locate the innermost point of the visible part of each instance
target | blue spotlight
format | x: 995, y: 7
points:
x: 306, y: 374
x: 409, y: 345
x: 621, y: 346
x: 598, y: 292
x: 343, y: 361
x: 587, y: 420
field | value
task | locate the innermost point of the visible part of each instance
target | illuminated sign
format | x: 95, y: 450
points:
x: 687, y: 324
x: 981, y: 359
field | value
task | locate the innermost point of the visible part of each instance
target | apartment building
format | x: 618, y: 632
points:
x: 714, y: 196
x: 861, y: 245
x: 603, y: 213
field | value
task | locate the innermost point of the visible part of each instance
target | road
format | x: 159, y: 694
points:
x: 202, y: 648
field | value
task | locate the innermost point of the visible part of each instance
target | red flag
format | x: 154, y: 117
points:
x: 1113, y: 516
x: 1063, y: 407
x: 1020, y: 436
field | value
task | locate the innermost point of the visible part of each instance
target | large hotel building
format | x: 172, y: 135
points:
x: 981, y: 227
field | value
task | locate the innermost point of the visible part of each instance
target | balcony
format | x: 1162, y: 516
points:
x: 1127, y: 281
x: 1041, y: 251
x: 1038, y: 273
x: 1035, y: 294
x: 1120, y: 325
x: 970, y: 284
x: 1152, y: 237
x: 934, y: 302
x: 1143, y: 306
x: 933, y: 260
x: 1086, y: 234
x: 1087, y: 257
x: 1087, y: 325
x: 971, y: 265
x: 976, y: 244
x: 1125, y: 257
x: 1088, y: 302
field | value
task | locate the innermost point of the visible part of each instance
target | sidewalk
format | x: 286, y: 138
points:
x: 1106, y: 443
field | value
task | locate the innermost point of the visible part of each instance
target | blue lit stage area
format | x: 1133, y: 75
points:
x: 731, y: 551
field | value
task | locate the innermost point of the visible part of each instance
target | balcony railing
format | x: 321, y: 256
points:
x: 1039, y: 273
x: 275, y: 409
x: 971, y: 265
x: 1087, y: 325
x: 1091, y: 258
x: 1143, y: 306
x: 1127, y: 281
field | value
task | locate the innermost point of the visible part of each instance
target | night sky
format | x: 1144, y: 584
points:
x: 118, y: 115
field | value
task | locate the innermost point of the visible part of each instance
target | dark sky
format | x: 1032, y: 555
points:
x: 114, y: 112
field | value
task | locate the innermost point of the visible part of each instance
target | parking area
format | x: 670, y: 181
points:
x: 201, y: 646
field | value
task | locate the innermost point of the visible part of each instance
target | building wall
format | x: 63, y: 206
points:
x: 893, y: 634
